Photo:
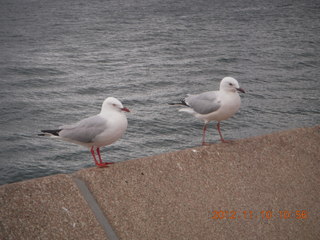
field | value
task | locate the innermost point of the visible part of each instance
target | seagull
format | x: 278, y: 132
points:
x: 214, y: 105
x: 97, y: 131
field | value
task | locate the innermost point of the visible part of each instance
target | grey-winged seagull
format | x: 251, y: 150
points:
x: 97, y: 131
x: 214, y: 105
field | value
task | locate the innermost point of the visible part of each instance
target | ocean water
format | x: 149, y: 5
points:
x: 60, y: 59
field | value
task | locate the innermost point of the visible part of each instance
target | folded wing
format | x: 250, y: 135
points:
x: 85, y: 130
x: 203, y: 103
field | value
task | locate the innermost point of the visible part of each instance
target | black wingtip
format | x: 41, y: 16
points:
x: 182, y: 102
x: 53, y: 132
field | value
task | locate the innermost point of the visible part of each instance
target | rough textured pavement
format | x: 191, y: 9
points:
x: 264, y: 187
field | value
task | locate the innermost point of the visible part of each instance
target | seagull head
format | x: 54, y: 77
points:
x: 112, y: 103
x: 230, y: 84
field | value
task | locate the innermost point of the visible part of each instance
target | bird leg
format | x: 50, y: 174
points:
x: 102, y: 163
x: 99, y: 155
x: 204, y: 135
x: 94, y: 156
x: 222, y: 139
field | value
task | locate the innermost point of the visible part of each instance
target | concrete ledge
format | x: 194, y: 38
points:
x: 174, y: 195
x: 46, y: 208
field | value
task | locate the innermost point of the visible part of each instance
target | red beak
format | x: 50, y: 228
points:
x: 125, y: 109
x: 241, y: 90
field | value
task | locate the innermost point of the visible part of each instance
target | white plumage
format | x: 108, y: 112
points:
x: 215, y: 105
x: 97, y: 131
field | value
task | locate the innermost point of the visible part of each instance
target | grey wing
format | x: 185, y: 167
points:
x: 85, y: 130
x: 204, y: 103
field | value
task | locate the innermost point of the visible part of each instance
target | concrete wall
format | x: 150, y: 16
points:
x: 265, y: 187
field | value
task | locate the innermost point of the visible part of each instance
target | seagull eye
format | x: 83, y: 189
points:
x: 230, y: 84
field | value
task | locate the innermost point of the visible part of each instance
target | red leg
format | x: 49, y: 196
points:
x: 99, y: 155
x: 204, y: 135
x: 94, y: 158
x: 102, y: 164
x: 93, y: 155
x: 222, y: 139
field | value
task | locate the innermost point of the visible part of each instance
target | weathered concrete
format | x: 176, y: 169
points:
x: 173, y: 195
x: 46, y: 208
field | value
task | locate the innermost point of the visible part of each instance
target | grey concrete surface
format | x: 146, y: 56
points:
x: 265, y: 187
x: 46, y: 208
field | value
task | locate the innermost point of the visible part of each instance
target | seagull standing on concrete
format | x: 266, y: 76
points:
x: 214, y: 105
x: 96, y: 131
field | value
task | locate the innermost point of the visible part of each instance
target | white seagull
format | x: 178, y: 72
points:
x: 97, y: 131
x: 214, y: 105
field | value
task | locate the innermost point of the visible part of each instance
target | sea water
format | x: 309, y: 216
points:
x: 60, y: 59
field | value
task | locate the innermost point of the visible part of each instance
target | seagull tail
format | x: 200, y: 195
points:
x: 176, y: 104
x: 181, y: 103
x: 50, y: 132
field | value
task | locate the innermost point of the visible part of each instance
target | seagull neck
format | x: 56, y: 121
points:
x: 229, y: 91
x: 108, y: 111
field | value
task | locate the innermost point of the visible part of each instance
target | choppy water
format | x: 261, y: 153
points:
x: 60, y: 59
